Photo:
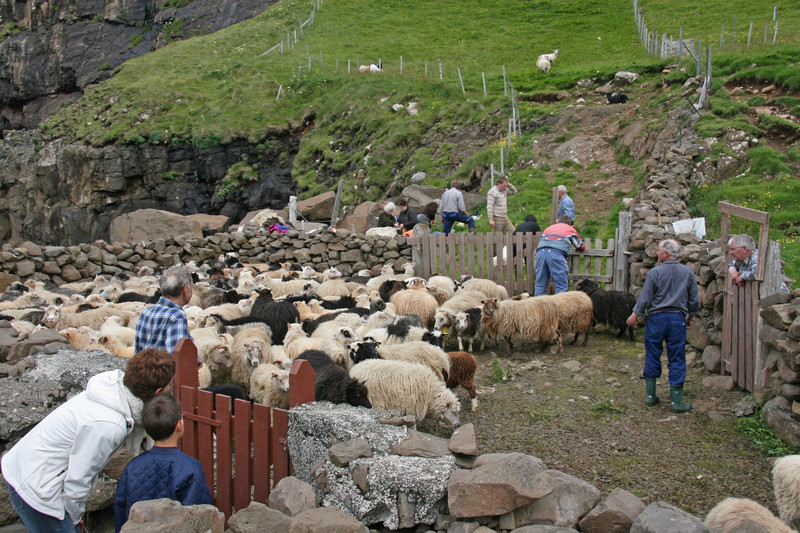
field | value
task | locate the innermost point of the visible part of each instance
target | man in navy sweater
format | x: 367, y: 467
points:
x: 671, y: 300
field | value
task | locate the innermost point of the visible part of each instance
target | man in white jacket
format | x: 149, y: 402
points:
x: 53, y: 468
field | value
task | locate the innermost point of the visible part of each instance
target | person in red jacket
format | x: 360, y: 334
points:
x: 552, y: 253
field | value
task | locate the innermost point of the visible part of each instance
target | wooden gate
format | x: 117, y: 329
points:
x: 740, y: 317
x: 507, y: 259
x: 242, y: 447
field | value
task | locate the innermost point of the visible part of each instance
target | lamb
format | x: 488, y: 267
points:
x: 229, y: 311
x: 113, y: 345
x: 82, y: 338
x: 250, y: 348
x: 296, y: 343
x: 468, y: 324
x: 113, y: 327
x: 388, y: 273
x: 419, y: 303
x: 269, y: 385
x: 786, y: 480
x: 616, y: 98
x: 332, y: 383
x: 214, y: 351
x: 285, y: 288
x: 543, y: 65
x: 487, y: 287
x: 408, y: 388
x: 418, y: 352
x: 535, y: 318
x: 462, y: 372
x: 374, y: 67
x: 611, y: 308
x: 575, y: 313
x: 729, y: 514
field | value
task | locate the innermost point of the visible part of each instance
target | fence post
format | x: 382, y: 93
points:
x: 280, y: 88
x: 623, y: 235
x: 301, y: 383
x: 775, y: 35
x: 750, y: 34
x: 680, y: 46
x: 505, y: 83
x: 698, y: 50
x: 401, y: 64
x: 185, y: 355
x: 502, y: 161
x: 440, y: 69
x: 766, y: 24
x: 483, y: 75
x: 461, y: 80
x: 293, y: 210
x: 336, y: 202
x: 426, y: 69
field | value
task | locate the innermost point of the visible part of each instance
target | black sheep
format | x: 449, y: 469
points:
x: 138, y: 297
x: 389, y: 287
x: 332, y: 383
x: 311, y: 325
x: 235, y: 392
x: 616, y: 98
x: 363, y: 350
x: 278, y: 315
x: 611, y: 308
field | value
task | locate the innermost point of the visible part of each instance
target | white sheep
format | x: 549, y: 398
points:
x: 28, y: 300
x: 296, y: 342
x: 487, y: 287
x: 55, y: 318
x: 228, y: 311
x: 269, y: 385
x: 533, y: 318
x: 214, y: 350
x: 286, y: 288
x: 786, y: 482
x: 113, y: 327
x: 333, y: 288
x: 443, y: 282
x: 411, y: 302
x: 575, y: 313
x: 250, y: 348
x: 728, y: 515
x: 82, y: 338
x: 113, y: 345
x: 408, y: 388
x: 387, y: 272
x: 418, y: 352
x: 543, y: 65
x: 377, y: 320
x: 550, y: 57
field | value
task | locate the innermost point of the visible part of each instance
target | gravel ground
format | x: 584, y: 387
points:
x: 583, y: 413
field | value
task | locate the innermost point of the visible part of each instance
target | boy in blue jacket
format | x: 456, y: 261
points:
x: 164, y: 471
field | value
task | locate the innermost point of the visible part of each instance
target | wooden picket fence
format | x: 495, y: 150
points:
x: 242, y: 446
x: 492, y: 256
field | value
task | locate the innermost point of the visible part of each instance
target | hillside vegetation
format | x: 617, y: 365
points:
x: 213, y: 89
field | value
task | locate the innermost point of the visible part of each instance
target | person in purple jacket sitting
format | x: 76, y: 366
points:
x: 164, y: 471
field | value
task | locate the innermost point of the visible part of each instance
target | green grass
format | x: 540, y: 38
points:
x: 762, y: 437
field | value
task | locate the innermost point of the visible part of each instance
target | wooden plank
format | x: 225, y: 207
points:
x: 441, y: 252
x: 462, y: 251
x: 280, y: 455
x: 224, y: 500
x: 530, y: 250
x: 509, y: 274
x: 598, y: 261
x: 763, y: 243
x: 740, y: 333
x: 480, y: 247
x: 621, y: 268
x: 185, y: 355
x: 261, y: 452
x: 470, y: 252
x: 755, y: 215
x: 188, y: 443
x: 451, y: 255
x: 241, y: 454
x: 519, y: 262
x: 497, y: 251
x: 205, y: 435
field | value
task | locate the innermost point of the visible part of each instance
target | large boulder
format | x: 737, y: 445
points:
x: 319, y: 207
x: 661, y: 516
x: 169, y: 516
x: 363, y: 217
x: 149, y: 224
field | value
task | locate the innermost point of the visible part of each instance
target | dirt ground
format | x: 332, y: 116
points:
x: 583, y: 413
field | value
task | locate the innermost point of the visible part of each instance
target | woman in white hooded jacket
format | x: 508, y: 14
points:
x: 53, y: 468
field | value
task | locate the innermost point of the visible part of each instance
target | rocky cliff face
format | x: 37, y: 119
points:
x: 64, y: 46
x: 63, y: 193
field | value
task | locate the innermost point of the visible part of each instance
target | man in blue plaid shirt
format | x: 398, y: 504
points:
x: 163, y: 323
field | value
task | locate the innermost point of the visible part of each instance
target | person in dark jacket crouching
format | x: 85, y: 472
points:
x: 164, y: 471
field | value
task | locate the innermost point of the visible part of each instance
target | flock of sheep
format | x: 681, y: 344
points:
x: 360, y: 334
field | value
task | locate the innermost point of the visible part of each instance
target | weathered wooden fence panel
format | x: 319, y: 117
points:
x: 242, y: 446
x: 507, y: 259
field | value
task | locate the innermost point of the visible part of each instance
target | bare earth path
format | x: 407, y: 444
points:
x: 583, y: 413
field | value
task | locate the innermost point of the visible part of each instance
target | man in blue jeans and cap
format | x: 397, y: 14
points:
x: 551, y: 256
x: 671, y: 300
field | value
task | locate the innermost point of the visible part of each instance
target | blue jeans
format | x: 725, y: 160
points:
x: 550, y: 263
x: 37, y: 522
x: 448, y: 219
x: 669, y: 327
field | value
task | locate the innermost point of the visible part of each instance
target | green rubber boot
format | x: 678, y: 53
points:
x: 652, y: 400
x: 676, y: 396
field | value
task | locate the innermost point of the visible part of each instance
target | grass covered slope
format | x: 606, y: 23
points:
x: 218, y: 84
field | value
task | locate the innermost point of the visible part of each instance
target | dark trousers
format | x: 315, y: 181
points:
x: 669, y: 328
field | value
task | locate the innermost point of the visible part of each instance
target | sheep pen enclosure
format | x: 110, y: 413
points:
x: 583, y: 413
